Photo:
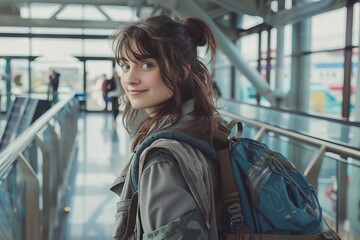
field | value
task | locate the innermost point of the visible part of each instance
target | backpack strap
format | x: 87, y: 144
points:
x: 231, y: 195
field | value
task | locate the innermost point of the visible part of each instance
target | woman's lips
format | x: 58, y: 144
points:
x: 136, y: 92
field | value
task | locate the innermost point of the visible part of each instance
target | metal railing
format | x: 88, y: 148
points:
x: 34, y: 172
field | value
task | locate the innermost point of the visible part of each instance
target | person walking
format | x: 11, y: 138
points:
x: 105, y: 89
x: 114, y: 95
x: 54, y: 80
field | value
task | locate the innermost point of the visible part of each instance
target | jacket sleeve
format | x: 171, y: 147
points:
x: 167, y: 208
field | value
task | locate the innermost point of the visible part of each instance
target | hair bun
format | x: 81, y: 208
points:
x: 195, y: 27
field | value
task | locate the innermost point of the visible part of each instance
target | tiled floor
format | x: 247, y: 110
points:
x: 103, y: 150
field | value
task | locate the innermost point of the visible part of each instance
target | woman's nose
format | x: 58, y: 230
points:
x: 131, y: 77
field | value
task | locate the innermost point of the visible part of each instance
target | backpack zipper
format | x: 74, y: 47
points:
x: 278, y: 168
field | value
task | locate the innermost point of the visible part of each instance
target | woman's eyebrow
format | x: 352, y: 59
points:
x: 148, y: 60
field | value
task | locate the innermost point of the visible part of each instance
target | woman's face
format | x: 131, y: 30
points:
x: 143, y: 84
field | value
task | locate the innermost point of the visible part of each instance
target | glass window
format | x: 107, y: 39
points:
x: 286, y: 74
x: 56, y: 47
x: 264, y: 43
x: 14, y: 30
x: 328, y: 30
x: 92, y: 13
x: 249, y: 47
x: 120, y: 13
x: 272, y: 73
x: 2, y: 86
x: 223, y: 79
x: 70, y: 70
x: 288, y: 4
x: 19, y: 76
x: 326, y: 79
x: 71, y: 11
x: 14, y: 46
x: 95, y: 31
x: 273, y: 43
x: 264, y: 36
x: 43, y: 10
x: 97, y: 47
x: 222, y: 60
x: 287, y: 40
x: 251, y: 21
x: 223, y: 74
x: 356, y: 25
x: 38, y: 10
x: 244, y: 90
x: 57, y: 30
x: 355, y: 82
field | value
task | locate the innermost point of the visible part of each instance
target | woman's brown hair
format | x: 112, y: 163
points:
x: 174, y: 46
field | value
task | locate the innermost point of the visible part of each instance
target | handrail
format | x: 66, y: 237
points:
x: 296, y: 112
x: 11, y: 152
x: 332, y: 147
x: 287, y: 119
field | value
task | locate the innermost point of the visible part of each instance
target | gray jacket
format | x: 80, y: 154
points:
x: 175, y: 191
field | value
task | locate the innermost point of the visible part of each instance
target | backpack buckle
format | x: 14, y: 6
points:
x: 232, y: 201
x: 236, y: 218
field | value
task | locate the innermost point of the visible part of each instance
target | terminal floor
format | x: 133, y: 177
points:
x: 103, y: 150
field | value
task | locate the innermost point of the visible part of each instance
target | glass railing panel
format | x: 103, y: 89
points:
x: 250, y: 131
x: 344, y: 132
x: 12, y: 206
x: 327, y: 185
x: 352, y: 221
x: 339, y: 194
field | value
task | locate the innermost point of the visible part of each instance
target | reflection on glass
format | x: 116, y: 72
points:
x: 12, y: 207
x: 332, y: 197
x: 19, y: 76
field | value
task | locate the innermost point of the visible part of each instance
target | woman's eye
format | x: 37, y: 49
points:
x: 124, y: 67
x: 147, y: 65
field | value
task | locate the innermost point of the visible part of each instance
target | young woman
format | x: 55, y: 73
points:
x: 167, y: 87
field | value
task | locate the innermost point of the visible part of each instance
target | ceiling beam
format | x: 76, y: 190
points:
x: 305, y: 11
x: 85, y: 2
x: 57, y: 12
x: 14, y: 21
x: 245, y: 6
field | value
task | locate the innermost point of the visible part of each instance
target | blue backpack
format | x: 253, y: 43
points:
x: 265, y: 197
